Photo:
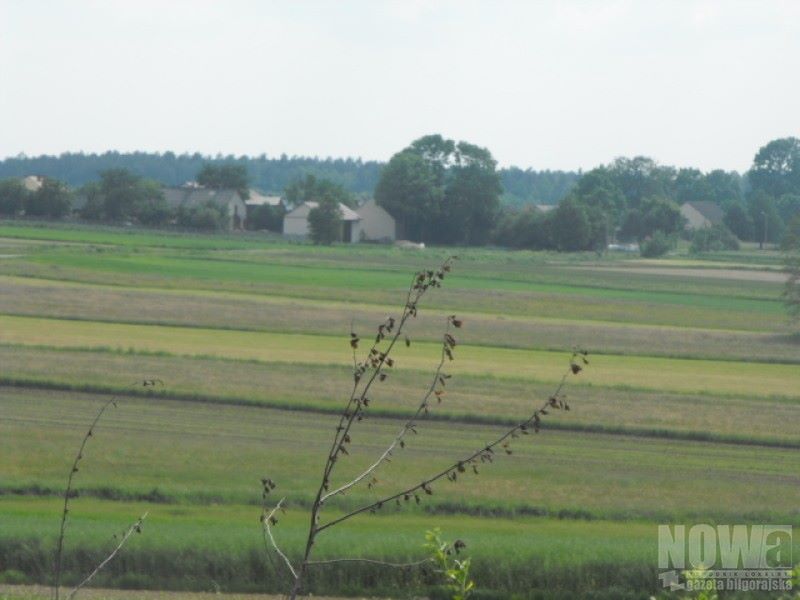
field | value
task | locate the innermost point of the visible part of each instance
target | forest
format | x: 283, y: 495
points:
x: 521, y: 186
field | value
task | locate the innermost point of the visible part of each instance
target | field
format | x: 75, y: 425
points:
x: 687, y: 413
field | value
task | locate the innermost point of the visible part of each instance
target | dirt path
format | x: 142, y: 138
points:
x: 38, y: 592
x: 705, y: 273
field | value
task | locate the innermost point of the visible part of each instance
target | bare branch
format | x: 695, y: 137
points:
x: 486, y: 452
x: 68, y: 495
x: 267, y: 520
x: 136, y: 527
x: 408, y: 426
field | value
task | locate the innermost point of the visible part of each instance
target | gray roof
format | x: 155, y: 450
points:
x: 709, y: 210
x: 301, y: 211
x: 192, y: 196
x: 258, y: 199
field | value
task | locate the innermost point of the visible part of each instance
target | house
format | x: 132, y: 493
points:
x: 193, y: 196
x: 701, y: 213
x: 375, y: 224
x: 295, y: 222
x: 33, y: 183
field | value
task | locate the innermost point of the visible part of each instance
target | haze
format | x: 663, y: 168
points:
x: 542, y: 85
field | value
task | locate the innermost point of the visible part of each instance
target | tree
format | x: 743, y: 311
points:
x: 325, y: 222
x: 121, y: 195
x: 768, y: 226
x: 13, y: 196
x: 691, y: 184
x: 442, y: 191
x: 776, y: 168
x: 639, y: 178
x: 570, y: 227
x: 597, y: 189
x: 471, y: 197
x: 370, y: 369
x: 739, y: 221
x: 725, y: 187
x: 654, y: 214
x: 314, y: 189
x: 408, y: 190
x: 225, y: 177
x: 53, y: 200
x: 788, y: 207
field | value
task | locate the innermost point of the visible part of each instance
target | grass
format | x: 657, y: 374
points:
x: 648, y: 373
x: 174, y: 548
x: 150, y: 443
x: 35, y: 297
x: 321, y: 387
x: 687, y: 412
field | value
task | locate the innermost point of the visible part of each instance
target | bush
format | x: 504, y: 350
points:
x: 658, y: 245
x: 325, y: 223
x: 13, y: 577
x: 713, y: 239
x: 209, y: 217
x: 53, y: 200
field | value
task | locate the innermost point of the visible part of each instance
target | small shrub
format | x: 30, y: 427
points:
x: 658, y: 245
x: 713, y: 239
x: 13, y: 577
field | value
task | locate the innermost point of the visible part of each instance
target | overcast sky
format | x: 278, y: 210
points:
x: 547, y: 85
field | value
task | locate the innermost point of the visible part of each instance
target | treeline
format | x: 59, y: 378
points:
x: 638, y: 200
x: 267, y: 174
x: 119, y: 196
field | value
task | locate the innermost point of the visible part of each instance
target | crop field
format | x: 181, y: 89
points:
x: 688, y: 411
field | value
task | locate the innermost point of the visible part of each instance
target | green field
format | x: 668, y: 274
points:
x: 688, y: 411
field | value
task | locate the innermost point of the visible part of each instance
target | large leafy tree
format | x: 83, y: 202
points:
x: 641, y: 177
x: 442, y: 191
x: 739, y: 221
x: 776, y: 168
x: 571, y: 229
x: 654, y: 214
x: 53, y: 200
x: 225, y: 177
x: 13, y: 196
x: 408, y: 190
x: 121, y: 195
x: 691, y: 184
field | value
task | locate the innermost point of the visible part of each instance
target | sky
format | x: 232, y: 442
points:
x: 545, y: 85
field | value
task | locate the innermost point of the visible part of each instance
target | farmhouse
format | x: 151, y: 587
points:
x: 702, y: 213
x: 193, y: 196
x: 295, y: 222
x: 368, y: 223
x: 375, y: 224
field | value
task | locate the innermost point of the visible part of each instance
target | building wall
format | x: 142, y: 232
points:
x: 375, y: 225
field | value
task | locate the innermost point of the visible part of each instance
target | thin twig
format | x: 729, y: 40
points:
x: 267, y: 522
x: 423, y: 405
x: 136, y: 527
x: 487, y: 450
x: 68, y: 494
